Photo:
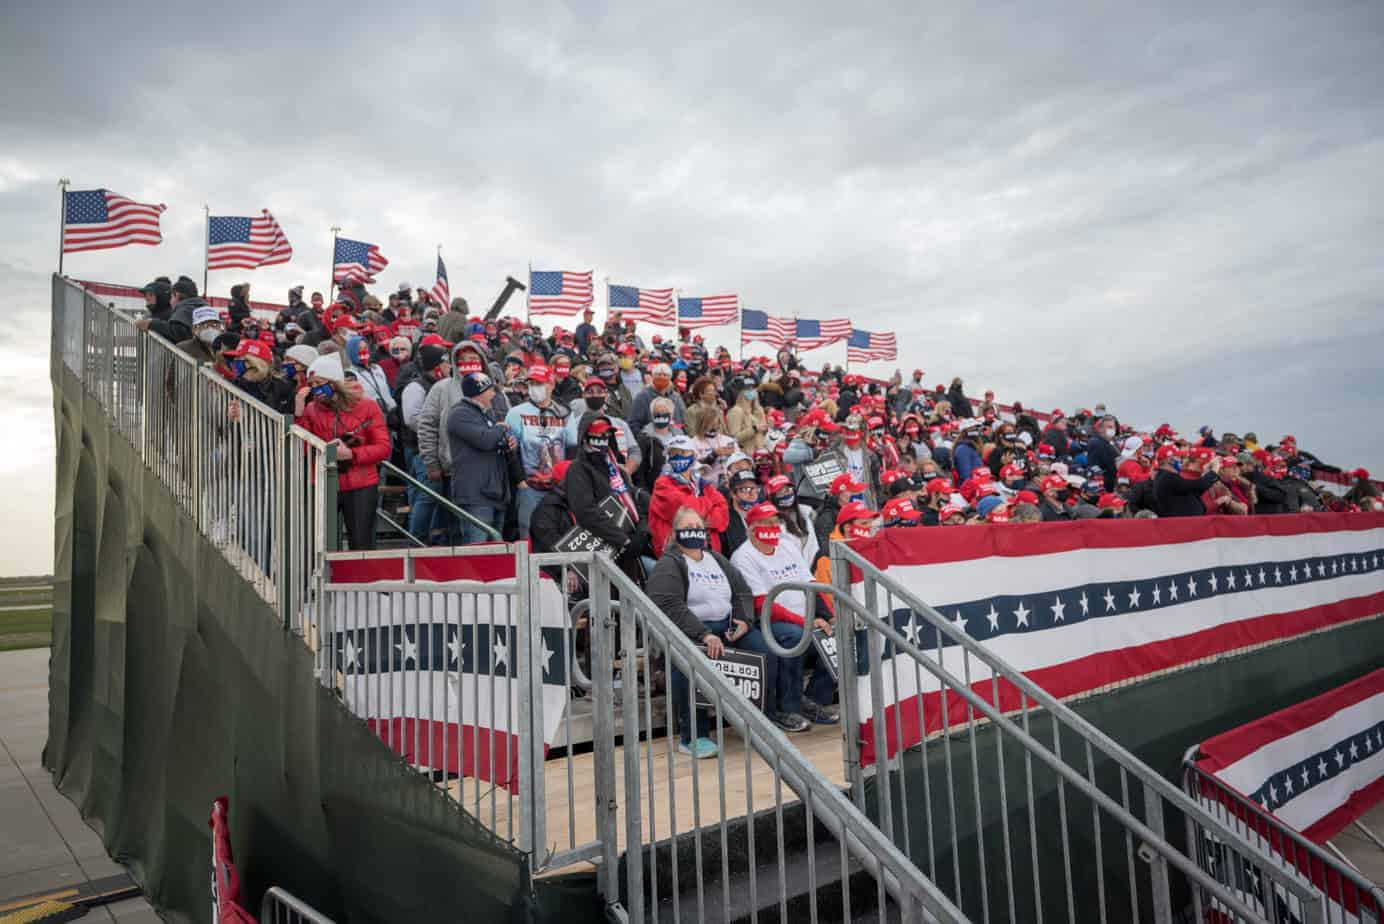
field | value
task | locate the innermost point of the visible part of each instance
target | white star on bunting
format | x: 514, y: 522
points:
x: 1157, y: 594
x: 994, y: 618
x: 1191, y: 585
x: 1172, y: 590
x: 1085, y: 604
x: 1021, y: 615
x: 1057, y: 610
x: 959, y: 622
x: 1134, y: 598
x: 1213, y: 582
x: 1230, y: 579
x: 1109, y: 600
x: 409, y: 648
x: 501, y: 653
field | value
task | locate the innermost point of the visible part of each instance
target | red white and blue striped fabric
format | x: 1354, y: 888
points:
x: 239, y: 242
x: 652, y: 306
x: 1317, y: 766
x: 441, y: 292
x: 356, y: 261
x: 98, y: 219
x: 809, y: 334
x: 435, y: 675
x: 559, y: 292
x: 1079, y: 606
x: 762, y: 327
x: 708, y: 311
x: 865, y: 346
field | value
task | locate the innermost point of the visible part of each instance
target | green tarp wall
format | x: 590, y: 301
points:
x: 173, y: 683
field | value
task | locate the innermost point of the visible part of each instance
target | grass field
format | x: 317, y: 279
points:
x: 26, y: 613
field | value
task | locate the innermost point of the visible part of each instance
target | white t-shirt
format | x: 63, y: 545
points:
x: 855, y: 464
x: 763, y: 572
x: 708, y: 589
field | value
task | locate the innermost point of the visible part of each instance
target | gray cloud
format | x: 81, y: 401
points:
x: 1174, y: 208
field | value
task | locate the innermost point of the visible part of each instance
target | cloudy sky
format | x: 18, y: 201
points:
x: 1178, y: 211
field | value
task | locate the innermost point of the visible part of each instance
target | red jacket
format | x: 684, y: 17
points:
x: 671, y: 495
x: 364, y: 425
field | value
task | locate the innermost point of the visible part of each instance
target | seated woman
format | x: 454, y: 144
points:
x: 765, y: 561
x: 708, y: 599
x: 685, y: 484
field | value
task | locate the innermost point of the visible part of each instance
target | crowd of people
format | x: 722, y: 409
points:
x: 709, y: 478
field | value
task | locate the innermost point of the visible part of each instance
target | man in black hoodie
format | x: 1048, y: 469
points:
x: 1174, y: 493
x: 178, y: 327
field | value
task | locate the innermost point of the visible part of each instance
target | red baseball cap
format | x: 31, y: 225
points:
x: 1108, y: 501
x: 777, y: 483
x: 1165, y: 452
x: 939, y: 486
x: 1011, y: 471
x: 540, y: 373
x: 761, y: 512
x: 844, y: 482
x: 253, y: 347
x: 999, y: 515
x: 950, y: 511
x: 901, y: 508
x: 1053, y: 483
x: 599, y: 427
x: 855, y: 510
x: 1025, y: 497
x: 891, y: 476
x: 1056, y: 414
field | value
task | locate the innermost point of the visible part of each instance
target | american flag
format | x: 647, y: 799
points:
x: 245, y: 243
x: 356, y: 261
x: 559, y: 292
x: 765, y: 328
x: 441, y: 292
x: 809, y: 335
x: 652, y: 306
x: 864, y: 346
x: 708, y: 311
x: 97, y: 219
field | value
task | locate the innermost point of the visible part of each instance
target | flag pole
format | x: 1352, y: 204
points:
x: 332, y: 272
x: 434, y: 285
x: 63, y: 183
x: 528, y: 293
x: 206, y: 249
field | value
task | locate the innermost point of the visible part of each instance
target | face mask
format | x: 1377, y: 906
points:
x: 1014, y: 485
x: 769, y: 535
x: 662, y: 421
x: 208, y: 335
x: 597, y: 444
x: 750, y: 394
x: 764, y: 470
x: 681, y: 386
x: 607, y: 374
x: 680, y: 464
x: 594, y: 404
x: 786, y: 501
x: 322, y: 392
x: 399, y: 354
x: 561, y: 372
x: 538, y: 393
x: 690, y: 538
x: 289, y: 371
x: 466, y: 368
x: 1064, y: 494
x: 857, y: 498
x: 859, y: 530
x: 853, y: 440
x: 238, y: 367
x: 746, y: 502
x: 1108, y: 433
x: 661, y: 382
x: 912, y: 434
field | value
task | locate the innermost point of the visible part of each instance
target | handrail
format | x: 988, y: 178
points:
x: 389, y: 521
x: 955, y: 686
x: 810, y: 589
x: 489, y: 530
x: 282, y: 907
x: 876, y: 852
x: 1264, y: 821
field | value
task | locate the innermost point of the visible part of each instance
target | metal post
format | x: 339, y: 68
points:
x: 62, y: 219
x: 603, y: 735
x: 332, y: 272
x: 528, y: 618
x: 629, y: 690
x: 1158, y: 865
x: 287, y: 493
x: 206, y: 248
x: 528, y: 294
x: 326, y: 492
x: 847, y: 684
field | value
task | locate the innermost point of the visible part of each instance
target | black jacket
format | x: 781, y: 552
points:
x: 1141, y: 497
x: 1101, y: 452
x: 552, y: 519
x: 1270, y: 496
x: 178, y: 327
x: 1053, y: 512
x: 668, y: 590
x: 651, y: 459
x: 1175, y: 496
x: 588, y: 483
x: 1057, y: 439
x: 960, y: 404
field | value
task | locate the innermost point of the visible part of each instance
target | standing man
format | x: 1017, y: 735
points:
x: 540, y: 427
x: 481, y: 485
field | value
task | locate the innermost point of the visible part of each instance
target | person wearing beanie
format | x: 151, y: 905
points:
x: 240, y: 306
x: 183, y: 299
x: 481, y: 447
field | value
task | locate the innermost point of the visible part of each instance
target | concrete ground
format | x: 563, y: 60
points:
x: 44, y: 844
x: 1363, y: 852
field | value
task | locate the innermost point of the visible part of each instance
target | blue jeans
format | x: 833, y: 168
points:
x: 471, y: 534
x: 680, y: 688
x: 821, y: 689
x: 528, y: 501
x: 426, y: 517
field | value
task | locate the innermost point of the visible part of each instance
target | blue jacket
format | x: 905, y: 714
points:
x: 480, y: 471
x: 967, y: 460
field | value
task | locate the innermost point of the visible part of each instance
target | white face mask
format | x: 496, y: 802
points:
x: 538, y: 393
x: 207, y: 335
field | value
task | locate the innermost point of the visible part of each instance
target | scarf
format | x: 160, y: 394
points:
x: 619, y: 487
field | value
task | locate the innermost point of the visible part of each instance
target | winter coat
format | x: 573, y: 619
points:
x: 961, y: 405
x: 1175, y: 496
x: 362, y: 425
x: 668, y: 590
x: 178, y: 327
x: 743, y: 422
x: 1057, y: 439
x: 1100, y: 452
x: 587, y: 484
x: 639, y: 414
x: 482, y: 473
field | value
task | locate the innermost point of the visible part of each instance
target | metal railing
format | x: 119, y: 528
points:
x: 281, y: 907
x: 444, y: 502
x: 1343, y: 892
x: 170, y: 418
x: 309, y: 524
x: 1086, y: 836
x: 702, y: 799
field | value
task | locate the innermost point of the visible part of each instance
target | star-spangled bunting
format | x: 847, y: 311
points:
x: 652, y: 306
x: 482, y: 649
x: 990, y: 617
x: 356, y: 261
x: 1313, y: 770
x: 235, y: 242
x: 98, y: 219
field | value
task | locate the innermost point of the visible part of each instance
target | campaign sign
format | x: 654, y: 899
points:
x: 581, y: 539
x: 826, y: 652
x: 745, y: 671
x: 824, y: 472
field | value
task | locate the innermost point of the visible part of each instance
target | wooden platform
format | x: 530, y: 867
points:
x: 672, y: 802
